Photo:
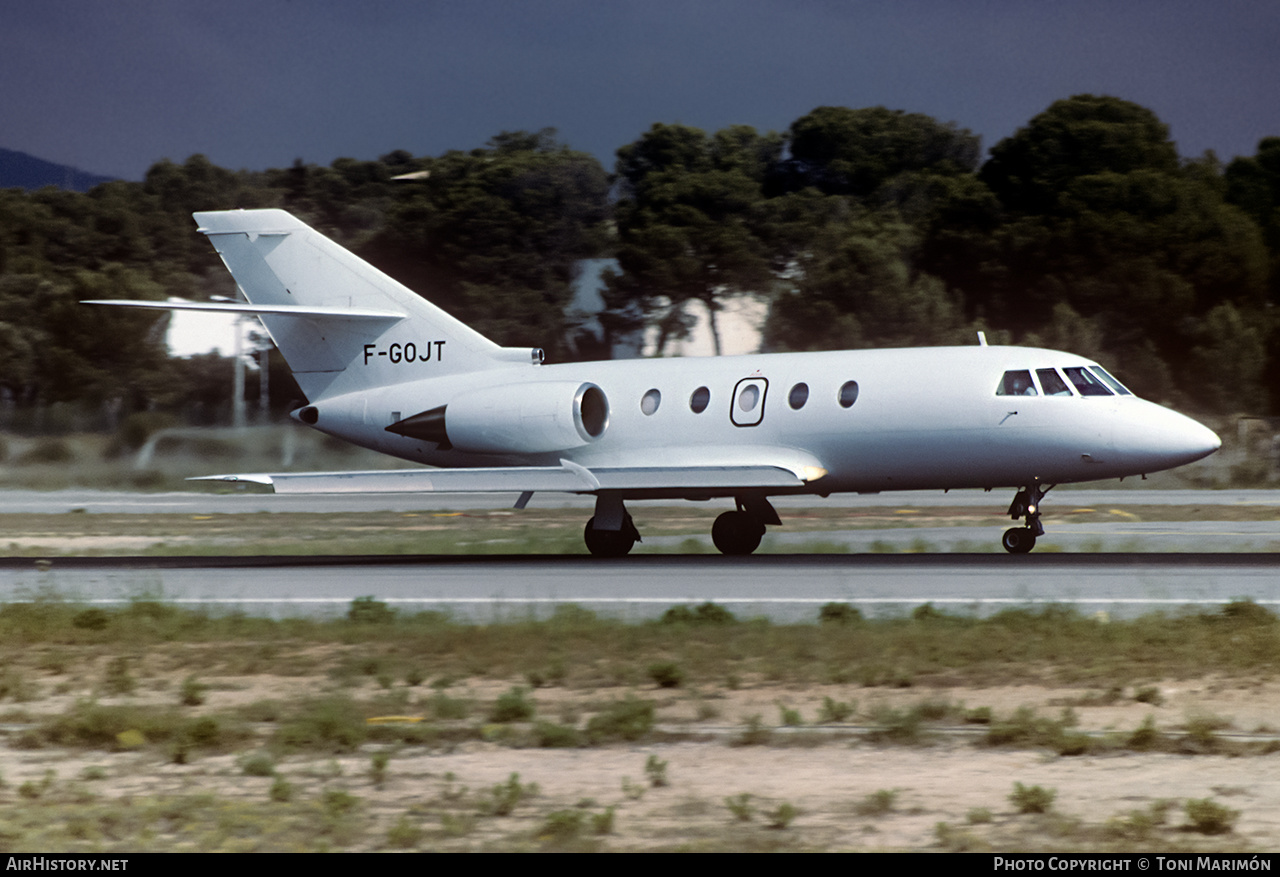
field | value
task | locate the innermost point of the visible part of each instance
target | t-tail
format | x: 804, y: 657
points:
x: 349, y: 326
x: 341, y: 324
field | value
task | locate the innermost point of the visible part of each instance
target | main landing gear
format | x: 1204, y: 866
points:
x: 1026, y: 505
x: 612, y: 533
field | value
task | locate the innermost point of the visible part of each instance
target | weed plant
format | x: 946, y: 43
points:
x: 1209, y: 817
x: 628, y: 719
x: 656, y: 770
x: 878, y: 803
x: 1032, y: 799
x: 782, y: 816
x: 740, y: 807
x: 514, y: 706
x: 504, y: 797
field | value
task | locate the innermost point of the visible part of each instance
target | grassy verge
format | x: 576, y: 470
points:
x: 164, y: 728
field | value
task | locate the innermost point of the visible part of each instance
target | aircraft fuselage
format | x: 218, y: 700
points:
x: 922, y: 418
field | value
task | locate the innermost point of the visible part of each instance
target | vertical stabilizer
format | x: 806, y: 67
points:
x: 341, y: 324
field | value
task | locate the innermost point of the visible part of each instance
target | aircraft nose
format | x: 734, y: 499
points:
x: 1162, y: 438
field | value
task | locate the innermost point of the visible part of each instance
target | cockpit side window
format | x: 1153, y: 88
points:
x: 1016, y: 383
x: 1052, y: 383
x: 1109, y: 380
x: 1086, y: 384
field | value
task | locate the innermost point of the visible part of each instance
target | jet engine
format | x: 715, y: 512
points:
x: 515, y: 419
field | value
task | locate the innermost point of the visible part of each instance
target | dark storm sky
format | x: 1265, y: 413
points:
x: 114, y: 87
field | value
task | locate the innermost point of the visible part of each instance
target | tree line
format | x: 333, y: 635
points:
x: 1083, y: 231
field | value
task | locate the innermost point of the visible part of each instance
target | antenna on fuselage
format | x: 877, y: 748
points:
x: 982, y: 339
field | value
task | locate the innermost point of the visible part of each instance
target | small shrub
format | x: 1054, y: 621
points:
x: 333, y: 724
x: 602, y: 823
x: 839, y: 613
x: 1032, y: 799
x: 404, y: 834
x: 192, y: 692
x: 338, y: 802
x: 562, y: 827
x: 91, y: 619
x: 896, y: 726
x: 281, y: 790
x: 834, y: 711
x: 378, y: 767
x: 740, y: 807
x: 443, y: 707
x: 656, y: 771
x: 628, y: 719
x: 549, y: 735
x: 979, y: 715
x: 666, y: 674
x: 1025, y: 728
x: 1149, y: 694
x: 504, y: 797
x: 16, y: 686
x: 90, y: 773
x: 1145, y: 737
x: 1247, y: 612
x: 512, y: 707
x: 789, y: 717
x: 117, y: 679
x: 978, y: 816
x: 878, y: 803
x: 707, y: 613
x: 782, y: 816
x: 1200, y: 735
x: 258, y: 764
x: 367, y: 610
x: 1210, y: 817
x: 755, y: 733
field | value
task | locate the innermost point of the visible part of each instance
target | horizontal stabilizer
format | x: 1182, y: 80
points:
x: 567, y: 478
x: 245, y: 308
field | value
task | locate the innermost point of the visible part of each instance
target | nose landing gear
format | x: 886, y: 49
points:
x: 1026, y: 505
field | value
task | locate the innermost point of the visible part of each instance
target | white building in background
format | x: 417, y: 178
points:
x: 741, y: 320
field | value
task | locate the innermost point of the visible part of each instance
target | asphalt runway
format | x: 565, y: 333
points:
x: 256, y: 500
x: 782, y: 588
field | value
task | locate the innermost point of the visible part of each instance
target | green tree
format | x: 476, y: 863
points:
x: 495, y: 234
x: 691, y: 225
x: 874, y: 152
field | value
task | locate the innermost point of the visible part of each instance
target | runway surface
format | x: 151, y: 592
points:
x: 117, y: 502
x: 782, y: 588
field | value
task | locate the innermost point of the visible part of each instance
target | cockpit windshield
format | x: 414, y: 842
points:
x: 1109, y: 380
x: 1017, y: 383
x: 1052, y: 383
x: 1085, y: 382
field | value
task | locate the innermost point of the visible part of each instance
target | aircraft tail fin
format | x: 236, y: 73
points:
x: 341, y: 324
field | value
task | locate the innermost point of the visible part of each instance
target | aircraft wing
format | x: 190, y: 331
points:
x: 568, y: 477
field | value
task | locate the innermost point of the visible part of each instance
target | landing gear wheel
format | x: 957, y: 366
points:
x: 1018, y: 540
x: 609, y: 543
x: 737, y: 533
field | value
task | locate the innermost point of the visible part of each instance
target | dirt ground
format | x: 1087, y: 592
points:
x: 944, y: 792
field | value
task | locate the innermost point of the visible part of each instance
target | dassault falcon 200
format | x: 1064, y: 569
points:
x: 386, y: 369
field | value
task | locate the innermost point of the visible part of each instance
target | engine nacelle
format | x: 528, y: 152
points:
x: 528, y: 418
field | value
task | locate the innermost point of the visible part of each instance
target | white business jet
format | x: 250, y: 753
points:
x: 386, y: 369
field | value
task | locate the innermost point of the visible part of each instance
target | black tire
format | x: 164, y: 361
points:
x: 607, y: 543
x: 1018, y: 540
x: 737, y: 533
